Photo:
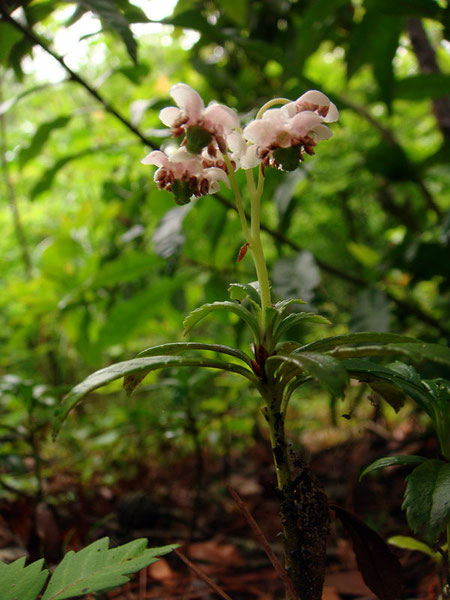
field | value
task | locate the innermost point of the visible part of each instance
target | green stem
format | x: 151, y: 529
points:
x: 270, y: 103
x: 238, y: 197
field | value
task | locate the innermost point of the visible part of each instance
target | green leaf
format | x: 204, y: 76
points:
x: 240, y: 291
x: 199, y: 313
x: 391, y: 461
x: 296, y: 319
x: 408, y: 8
x: 423, y: 85
x: 98, y: 567
x: 177, y: 347
x: 9, y: 35
x: 327, y: 370
x: 113, y: 20
x: 427, y: 499
x: 22, y: 583
x: 348, y: 339
x: 134, y: 367
x: 40, y: 137
x: 236, y: 10
x: 410, y: 543
x: 282, y: 304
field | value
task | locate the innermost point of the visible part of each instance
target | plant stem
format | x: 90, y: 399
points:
x: 303, y: 508
x: 238, y: 197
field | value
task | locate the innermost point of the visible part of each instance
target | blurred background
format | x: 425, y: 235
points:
x: 97, y: 264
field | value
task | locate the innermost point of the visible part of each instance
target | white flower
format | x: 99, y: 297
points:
x: 283, y: 135
x: 184, y: 175
x: 216, y: 119
x: 243, y: 155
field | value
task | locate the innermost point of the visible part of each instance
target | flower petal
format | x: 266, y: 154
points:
x: 214, y: 175
x: 321, y: 132
x: 169, y: 115
x: 332, y: 114
x: 302, y: 123
x: 157, y: 158
x: 313, y: 97
x: 189, y: 101
x: 220, y: 116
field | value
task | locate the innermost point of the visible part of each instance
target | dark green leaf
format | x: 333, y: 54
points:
x: 199, y: 313
x: 178, y: 347
x: 40, y: 137
x: 9, y: 35
x: 295, y: 319
x: 328, y: 371
x: 423, y: 85
x: 408, y: 8
x: 391, y: 461
x: 20, y: 582
x: 240, y: 291
x: 351, y: 339
x: 113, y: 20
x: 133, y: 367
x: 427, y: 499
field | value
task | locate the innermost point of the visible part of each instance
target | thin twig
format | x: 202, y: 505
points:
x: 281, y: 571
x: 202, y: 576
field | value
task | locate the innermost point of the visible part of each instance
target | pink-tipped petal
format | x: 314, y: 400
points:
x: 313, y: 97
x: 220, y: 117
x: 189, y: 101
x: 214, y: 175
x: 302, y: 123
x: 157, y: 158
x: 321, y: 132
x: 169, y: 115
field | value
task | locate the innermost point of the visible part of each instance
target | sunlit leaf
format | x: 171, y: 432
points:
x: 392, y: 461
x: 21, y: 582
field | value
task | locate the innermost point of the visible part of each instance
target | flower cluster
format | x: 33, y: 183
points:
x: 213, y: 141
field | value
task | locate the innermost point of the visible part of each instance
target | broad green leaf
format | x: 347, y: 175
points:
x: 240, y: 291
x: 200, y: 313
x: 97, y: 568
x: 40, y: 137
x: 177, y: 347
x: 410, y: 543
x: 356, y: 338
x: 133, y: 367
x: 391, y: 461
x: 423, y: 85
x: 114, y: 20
x: 427, y: 499
x: 19, y: 582
x: 295, y: 319
x: 327, y: 370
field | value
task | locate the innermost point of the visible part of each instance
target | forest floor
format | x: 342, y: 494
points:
x: 188, y: 503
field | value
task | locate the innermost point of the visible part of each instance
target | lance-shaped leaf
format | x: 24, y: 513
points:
x: 391, y: 385
x: 379, y: 567
x: 393, y: 461
x: 328, y: 371
x: 21, y: 582
x: 350, y: 339
x: 200, y: 313
x: 282, y: 304
x: 296, y: 319
x: 178, y: 347
x: 141, y: 367
x: 240, y: 291
x: 409, y: 543
x: 415, y: 351
x: 97, y: 568
x: 427, y: 499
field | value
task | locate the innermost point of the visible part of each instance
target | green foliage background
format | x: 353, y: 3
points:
x: 98, y: 264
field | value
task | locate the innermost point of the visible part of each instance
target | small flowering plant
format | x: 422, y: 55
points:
x: 214, y: 146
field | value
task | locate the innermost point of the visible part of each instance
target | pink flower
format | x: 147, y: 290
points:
x: 184, y: 175
x: 283, y: 135
x: 215, y: 122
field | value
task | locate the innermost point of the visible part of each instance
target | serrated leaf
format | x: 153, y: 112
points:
x: 391, y: 461
x: 410, y: 543
x: 97, y: 568
x: 325, y: 369
x: 296, y: 319
x: 40, y: 137
x: 380, y: 568
x: 200, y: 313
x: 113, y: 20
x: 351, y: 339
x: 19, y: 582
x: 134, y: 367
x: 177, y: 347
x: 391, y: 385
x: 427, y: 499
x: 240, y: 291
